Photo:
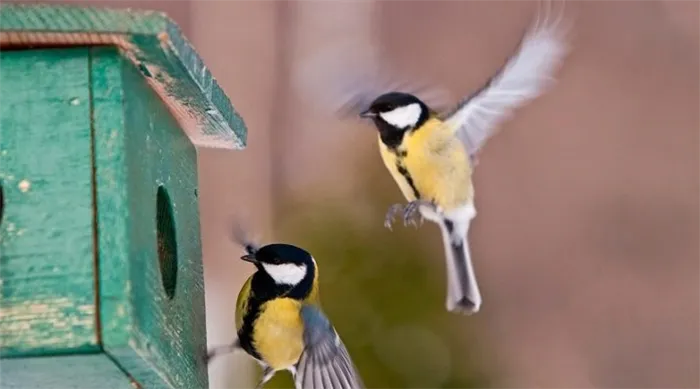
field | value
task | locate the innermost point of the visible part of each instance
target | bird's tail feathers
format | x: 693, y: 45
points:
x: 463, y: 293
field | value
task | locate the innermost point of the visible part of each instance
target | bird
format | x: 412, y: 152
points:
x: 431, y: 154
x: 280, y: 323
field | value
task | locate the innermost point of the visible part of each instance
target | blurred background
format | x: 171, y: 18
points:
x: 586, y: 242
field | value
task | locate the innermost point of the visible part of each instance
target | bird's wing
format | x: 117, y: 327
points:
x: 345, y: 72
x: 325, y: 362
x: 526, y: 75
x: 344, y: 77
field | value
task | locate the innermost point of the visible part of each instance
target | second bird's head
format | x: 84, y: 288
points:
x: 397, y: 112
x: 285, y: 264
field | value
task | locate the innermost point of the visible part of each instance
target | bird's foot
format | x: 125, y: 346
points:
x: 220, y: 350
x: 410, y: 210
x: 267, y: 375
x: 391, y: 214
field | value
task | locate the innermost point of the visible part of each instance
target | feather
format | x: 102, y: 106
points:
x: 526, y: 75
x: 325, y: 362
x: 240, y: 236
x: 346, y: 76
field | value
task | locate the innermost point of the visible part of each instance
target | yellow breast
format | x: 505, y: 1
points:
x: 278, y: 333
x: 437, y: 164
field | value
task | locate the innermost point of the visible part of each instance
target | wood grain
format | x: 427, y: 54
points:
x: 66, y: 372
x: 154, y: 43
x: 112, y: 210
x: 170, y: 332
x: 139, y: 147
x: 47, y: 300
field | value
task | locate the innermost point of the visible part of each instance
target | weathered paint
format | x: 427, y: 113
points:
x: 64, y: 112
x: 47, y: 297
x: 170, y: 333
x: 86, y: 139
x: 66, y: 372
x: 112, y: 210
x: 139, y: 146
x: 156, y: 46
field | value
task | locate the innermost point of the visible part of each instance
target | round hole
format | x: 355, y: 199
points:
x: 167, y: 246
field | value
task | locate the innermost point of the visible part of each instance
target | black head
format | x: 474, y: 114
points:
x: 396, y: 113
x: 284, y: 263
x: 402, y: 111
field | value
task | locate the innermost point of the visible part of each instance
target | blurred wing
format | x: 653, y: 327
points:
x: 240, y: 235
x: 525, y: 76
x: 331, y: 81
x: 345, y: 71
x: 325, y: 362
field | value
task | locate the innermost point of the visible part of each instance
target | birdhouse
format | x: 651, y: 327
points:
x: 101, y: 116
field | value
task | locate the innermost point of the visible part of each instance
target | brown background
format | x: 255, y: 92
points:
x: 587, y: 235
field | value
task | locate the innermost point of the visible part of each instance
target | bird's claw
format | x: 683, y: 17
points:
x: 391, y: 214
x: 208, y: 356
x: 409, y: 213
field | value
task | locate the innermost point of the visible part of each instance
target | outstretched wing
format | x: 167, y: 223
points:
x: 526, y: 75
x: 325, y: 362
x: 332, y: 81
x: 345, y: 72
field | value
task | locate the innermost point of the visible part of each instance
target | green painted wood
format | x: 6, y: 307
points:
x: 47, y: 297
x: 139, y: 147
x: 112, y: 194
x: 65, y: 372
x: 158, y: 44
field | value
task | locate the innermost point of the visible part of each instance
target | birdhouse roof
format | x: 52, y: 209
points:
x: 154, y: 43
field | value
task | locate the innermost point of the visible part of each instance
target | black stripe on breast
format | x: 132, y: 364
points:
x: 245, y: 334
x: 262, y: 289
x: 407, y: 176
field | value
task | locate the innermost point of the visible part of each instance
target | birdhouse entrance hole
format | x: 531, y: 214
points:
x: 167, y: 245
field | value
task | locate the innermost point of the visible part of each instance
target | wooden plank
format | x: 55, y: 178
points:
x: 47, y: 300
x: 144, y: 328
x: 64, y: 372
x: 170, y: 331
x: 156, y: 46
x: 110, y: 183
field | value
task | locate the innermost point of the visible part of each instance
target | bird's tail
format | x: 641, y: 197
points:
x: 463, y: 294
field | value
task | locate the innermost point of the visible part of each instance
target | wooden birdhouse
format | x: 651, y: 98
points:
x: 101, y: 115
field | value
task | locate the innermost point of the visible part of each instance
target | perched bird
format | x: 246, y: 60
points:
x: 431, y: 155
x: 280, y: 323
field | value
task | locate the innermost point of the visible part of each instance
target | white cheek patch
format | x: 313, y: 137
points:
x: 403, y: 117
x: 286, y: 273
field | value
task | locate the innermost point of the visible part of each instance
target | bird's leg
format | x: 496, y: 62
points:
x: 267, y: 375
x: 391, y: 213
x: 221, y: 350
x: 410, y: 210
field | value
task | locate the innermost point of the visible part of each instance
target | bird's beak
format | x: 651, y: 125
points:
x: 367, y: 114
x: 250, y: 258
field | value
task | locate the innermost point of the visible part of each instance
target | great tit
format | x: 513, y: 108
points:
x: 280, y: 323
x: 431, y: 155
